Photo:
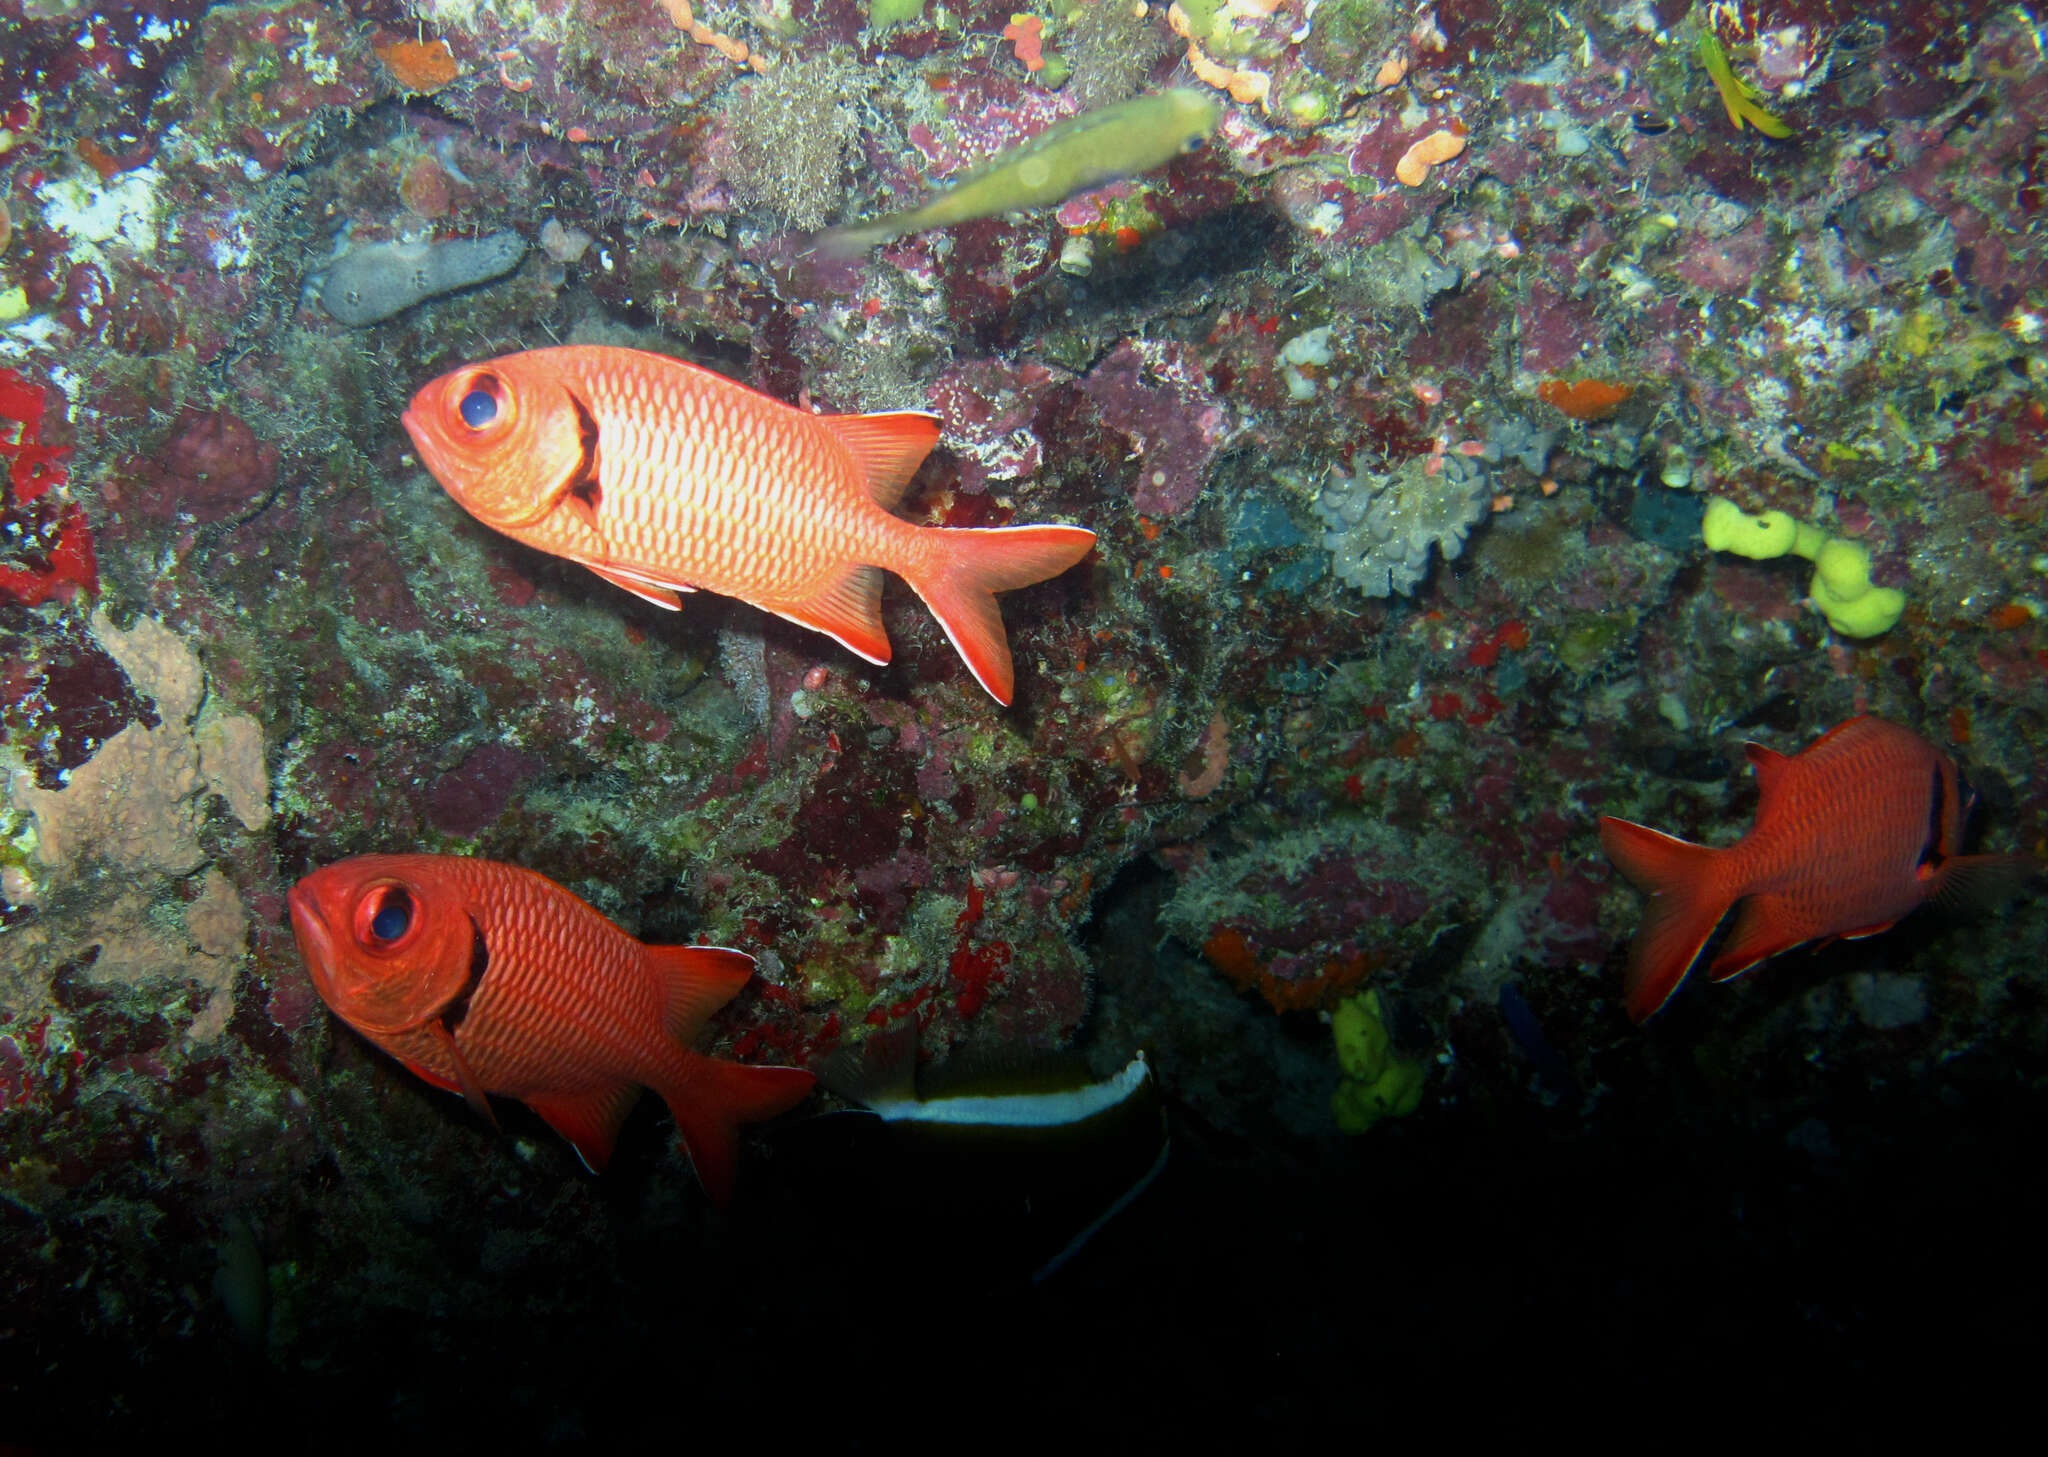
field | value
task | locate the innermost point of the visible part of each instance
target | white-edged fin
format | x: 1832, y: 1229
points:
x: 1053, y: 1109
x: 648, y: 589
x: 1123, y: 1201
x: 888, y: 447
x: 848, y: 610
x: 695, y: 982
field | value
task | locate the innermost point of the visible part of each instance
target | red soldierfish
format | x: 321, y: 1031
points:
x: 485, y: 978
x: 663, y: 478
x: 1851, y: 833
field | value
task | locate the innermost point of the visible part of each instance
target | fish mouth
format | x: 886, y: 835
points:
x: 314, y: 935
x: 414, y: 421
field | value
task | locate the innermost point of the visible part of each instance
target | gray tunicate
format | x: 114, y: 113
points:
x: 375, y: 281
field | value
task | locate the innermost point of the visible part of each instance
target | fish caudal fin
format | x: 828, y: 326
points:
x: 968, y: 567
x: 714, y: 1099
x: 852, y: 241
x: 1682, y: 911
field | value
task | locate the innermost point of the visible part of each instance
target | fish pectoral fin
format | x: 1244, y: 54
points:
x: 1759, y: 934
x: 888, y: 448
x: 590, y: 1121
x: 465, y: 1080
x: 649, y: 589
x: 1981, y: 882
x: 847, y: 609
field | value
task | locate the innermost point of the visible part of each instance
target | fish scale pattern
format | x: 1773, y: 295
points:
x: 563, y: 991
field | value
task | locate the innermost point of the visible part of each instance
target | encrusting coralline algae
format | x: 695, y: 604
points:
x: 370, y: 283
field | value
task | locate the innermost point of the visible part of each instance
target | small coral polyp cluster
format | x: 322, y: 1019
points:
x: 1383, y: 525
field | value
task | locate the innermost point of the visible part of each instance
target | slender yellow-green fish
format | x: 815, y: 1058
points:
x: 1068, y: 157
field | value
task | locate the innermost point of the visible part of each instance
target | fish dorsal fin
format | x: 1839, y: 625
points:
x: 848, y: 609
x: 695, y: 982
x: 887, y: 448
x: 590, y: 1121
x: 660, y: 594
x: 1770, y: 766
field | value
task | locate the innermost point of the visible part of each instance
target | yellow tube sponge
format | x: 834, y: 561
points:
x: 1841, y: 586
x: 1378, y: 1082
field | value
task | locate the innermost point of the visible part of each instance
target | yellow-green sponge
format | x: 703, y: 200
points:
x: 1378, y: 1081
x: 1841, y: 586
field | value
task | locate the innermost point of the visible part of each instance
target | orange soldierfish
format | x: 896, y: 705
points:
x: 1851, y: 833
x: 663, y: 478
x: 485, y: 978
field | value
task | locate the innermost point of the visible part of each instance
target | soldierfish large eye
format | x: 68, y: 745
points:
x: 483, y: 402
x: 385, y: 916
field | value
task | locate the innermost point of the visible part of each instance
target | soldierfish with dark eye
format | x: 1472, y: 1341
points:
x: 487, y: 979
x: 663, y: 478
x: 1853, y: 832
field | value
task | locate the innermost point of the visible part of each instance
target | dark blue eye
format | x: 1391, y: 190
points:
x: 479, y: 408
x: 393, y: 917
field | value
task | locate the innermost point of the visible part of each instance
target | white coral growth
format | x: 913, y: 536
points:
x: 1382, y: 526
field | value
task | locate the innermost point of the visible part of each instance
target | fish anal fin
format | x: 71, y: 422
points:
x: 590, y: 1121
x: 1684, y: 904
x: 695, y: 982
x: 713, y: 1098
x: 1760, y: 933
x: 888, y: 447
x: 847, y: 609
x: 964, y: 571
x: 661, y: 594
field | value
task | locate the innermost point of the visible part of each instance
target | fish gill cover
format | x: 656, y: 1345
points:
x: 1530, y: 281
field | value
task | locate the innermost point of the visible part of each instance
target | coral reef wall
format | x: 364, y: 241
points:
x: 1393, y: 409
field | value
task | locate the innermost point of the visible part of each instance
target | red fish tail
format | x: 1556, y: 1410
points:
x: 1686, y: 902
x: 712, y: 1099
x: 968, y: 567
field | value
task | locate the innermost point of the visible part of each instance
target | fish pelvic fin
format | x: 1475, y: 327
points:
x: 646, y: 588
x: 695, y: 982
x: 590, y: 1121
x: 710, y: 1102
x: 848, y: 610
x: 964, y: 570
x: 1682, y: 910
x: 887, y: 447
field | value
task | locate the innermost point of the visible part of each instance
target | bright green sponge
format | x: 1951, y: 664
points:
x: 1378, y: 1082
x: 1841, y: 586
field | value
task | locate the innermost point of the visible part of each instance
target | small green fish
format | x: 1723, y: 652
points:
x: 1066, y: 158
